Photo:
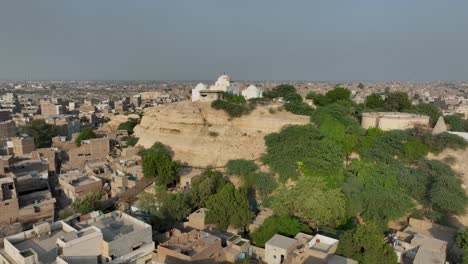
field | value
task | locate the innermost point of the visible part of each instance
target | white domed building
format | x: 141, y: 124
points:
x: 196, y: 91
x: 252, y: 92
x: 223, y: 82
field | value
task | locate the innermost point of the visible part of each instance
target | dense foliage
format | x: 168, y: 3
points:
x: 337, y: 94
x: 208, y: 183
x: 158, y: 163
x: 132, y: 141
x: 373, y: 192
x: 165, y: 205
x: 87, y: 204
x: 302, y: 144
x: 283, y: 225
x: 232, y: 109
x: 285, y: 91
x: 229, y: 207
x: 456, y: 123
x: 86, y: 134
x: 129, y: 125
x: 364, y: 244
x: 389, y: 101
x: 313, y: 202
x: 41, y: 132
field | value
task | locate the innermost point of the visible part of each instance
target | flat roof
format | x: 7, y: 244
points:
x: 113, y: 226
x: 44, y: 246
x: 281, y: 241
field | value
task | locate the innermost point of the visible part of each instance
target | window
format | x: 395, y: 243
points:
x: 274, y: 256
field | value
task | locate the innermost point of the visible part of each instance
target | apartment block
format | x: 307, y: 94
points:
x: 127, y: 239
x: 96, y: 149
x: 22, y: 145
x: 76, y: 184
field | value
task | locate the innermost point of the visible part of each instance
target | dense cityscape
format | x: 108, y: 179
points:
x: 246, y: 132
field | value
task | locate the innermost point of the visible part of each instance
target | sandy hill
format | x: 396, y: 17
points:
x: 202, y: 136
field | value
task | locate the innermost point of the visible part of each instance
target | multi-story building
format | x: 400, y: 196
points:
x: 48, y: 108
x: 76, y: 184
x: 90, y: 150
x: 112, y: 238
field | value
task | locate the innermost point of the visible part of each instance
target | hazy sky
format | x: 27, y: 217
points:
x: 248, y: 39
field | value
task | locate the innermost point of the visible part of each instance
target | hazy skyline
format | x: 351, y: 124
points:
x: 252, y: 40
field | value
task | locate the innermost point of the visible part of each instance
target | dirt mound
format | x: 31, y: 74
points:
x: 202, y: 136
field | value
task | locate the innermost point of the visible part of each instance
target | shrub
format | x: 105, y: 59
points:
x: 86, y: 134
x: 233, y: 110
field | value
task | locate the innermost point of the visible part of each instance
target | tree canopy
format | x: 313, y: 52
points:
x: 364, y: 244
x: 165, y: 205
x: 373, y: 192
x: 303, y: 144
x: 129, y: 125
x: 229, y: 207
x: 205, y: 185
x: 86, y: 134
x: 283, y: 225
x: 87, y: 204
x: 313, y: 202
x: 158, y: 163
x: 41, y: 132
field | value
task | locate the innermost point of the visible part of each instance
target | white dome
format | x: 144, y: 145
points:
x: 224, y: 78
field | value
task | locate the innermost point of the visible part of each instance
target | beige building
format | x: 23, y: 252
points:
x: 189, y: 247
x: 48, y: 108
x: 112, y: 238
x: 96, y: 149
x: 22, y: 145
x: 76, y: 184
x: 7, y: 129
x: 125, y: 238
x: 303, y: 249
x: 26, y: 200
x: 393, y: 120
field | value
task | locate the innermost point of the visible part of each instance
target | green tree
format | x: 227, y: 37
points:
x: 303, y: 144
x: 437, y: 143
x: 365, y: 245
x: 208, y: 183
x: 414, y: 149
x: 87, y: 204
x: 283, y: 225
x: 299, y: 108
x: 158, y: 163
x: 397, y: 101
x: 374, y: 101
x: 428, y: 109
x: 374, y: 193
x: 338, y: 93
x: 229, y: 207
x: 86, y: 134
x: 132, y: 141
x: 165, y: 205
x: 313, y: 202
x: 129, y: 125
x: 41, y: 132
x: 285, y: 91
x: 264, y: 183
x: 456, y: 123
x: 241, y: 167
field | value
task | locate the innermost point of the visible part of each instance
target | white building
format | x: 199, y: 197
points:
x: 196, y: 91
x: 252, y: 92
x: 221, y: 85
